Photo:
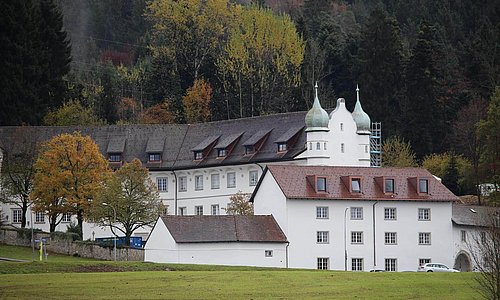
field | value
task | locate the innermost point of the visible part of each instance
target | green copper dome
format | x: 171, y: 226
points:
x: 317, y: 118
x: 361, y: 118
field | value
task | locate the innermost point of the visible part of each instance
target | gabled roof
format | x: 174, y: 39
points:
x: 474, y: 215
x: 289, y: 134
x: 216, y: 229
x: 155, y: 145
x: 256, y: 137
x: 116, y: 144
x: 292, y: 180
x: 181, y: 139
x: 228, y: 140
x: 206, y: 142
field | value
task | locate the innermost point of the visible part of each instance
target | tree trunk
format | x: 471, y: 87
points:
x: 80, y: 223
x: 24, y: 209
x: 53, y: 223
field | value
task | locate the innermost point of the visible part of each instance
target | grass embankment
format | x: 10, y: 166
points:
x: 213, y: 282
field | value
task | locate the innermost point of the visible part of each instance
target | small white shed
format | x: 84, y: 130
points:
x: 217, y: 240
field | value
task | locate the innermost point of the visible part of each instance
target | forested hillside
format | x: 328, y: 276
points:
x: 427, y: 70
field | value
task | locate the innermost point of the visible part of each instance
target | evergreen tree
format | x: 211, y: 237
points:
x: 422, y: 110
x: 35, y: 57
x: 380, y: 67
x: 450, y: 178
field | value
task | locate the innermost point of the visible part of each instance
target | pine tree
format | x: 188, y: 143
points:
x: 380, y: 67
x: 450, y: 178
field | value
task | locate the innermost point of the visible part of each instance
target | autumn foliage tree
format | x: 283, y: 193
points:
x: 239, y: 205
x: 398, y: 153
x: 197, y: 102
x: 134, y: 196
x: 72, y: 113
x: 69, y: 173
x: 157, y: 114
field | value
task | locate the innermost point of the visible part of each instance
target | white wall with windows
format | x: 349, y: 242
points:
x: 405, y: 231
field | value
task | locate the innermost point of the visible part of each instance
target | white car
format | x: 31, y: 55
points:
x: 435, y: 267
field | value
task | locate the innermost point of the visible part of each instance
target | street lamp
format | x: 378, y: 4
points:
x: 345, y: 239
x: 114, y: 221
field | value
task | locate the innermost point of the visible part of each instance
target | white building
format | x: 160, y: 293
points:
x: 197, y: 167
x: 218, y: 240
x: 354, y: 218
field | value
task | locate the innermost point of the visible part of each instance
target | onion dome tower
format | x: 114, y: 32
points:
x: 361, y: 118
x: 317, y: 133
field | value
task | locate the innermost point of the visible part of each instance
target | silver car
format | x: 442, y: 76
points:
x: 435, y: 267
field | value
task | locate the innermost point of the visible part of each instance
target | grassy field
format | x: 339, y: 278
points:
x: 76, y: 278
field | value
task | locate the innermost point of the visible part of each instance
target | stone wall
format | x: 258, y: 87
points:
x: 68, y: 247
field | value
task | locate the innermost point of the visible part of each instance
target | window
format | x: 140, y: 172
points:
x: 389, y: 185
x: 162, y: 183
x: 356, y: 237
x: 39, y: 217
x: 115, y: 157
x: 357, y: 264
x: 341, y: 126
x: 231, y: 180
x: 254, y: 177
x: 423, y: 261
x: 215, y: 183
x: 318, y: 146
x: 66, y: 218
x: 249, y: 149
x: 182, y: 184
x: 268, y: 253
x: 356, y: 185
x: 323, y: 263
x: 424, y: 214
x: 390, y: 213
x: 423, y: 186
x: 310, y: 146
x: 366, y: 148
x: 198, y: 182
x: 463, y: 235
x: 215, y: 209
x: 221, y: 152
x: 182, y: 211
x: 424, y: 238
x: 322, y: 212
x: 356, y: 213
x: 198, y: 210
x: 483, y: 237
x: 321, y: 184
x: 390, y: 238
x: 322, y: 237
x: 390, y: 264
x: 282, y: 147
x: 16, y: 215
x: 154, y: 157
x: 324, y: 146
x: 342, y: 148
x: 198, y: 155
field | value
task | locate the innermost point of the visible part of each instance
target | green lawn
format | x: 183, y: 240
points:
x: 77, y: 278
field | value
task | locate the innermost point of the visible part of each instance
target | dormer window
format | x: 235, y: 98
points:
x: 198, y: 155
x: 249, y: 149
x: 282, y: 147
x: 423, y: 186
x: 389, y: 185
x: 356, y: 185
x: 321, y: 184
x: 221, y: 152
x: 115, y: 157
x: 154, y: 157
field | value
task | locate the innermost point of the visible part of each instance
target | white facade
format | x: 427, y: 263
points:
x: 298, y: 220
x: 162, y: 248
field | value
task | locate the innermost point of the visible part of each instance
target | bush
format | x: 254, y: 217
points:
x: 59, y: 235
x: 25, y: 233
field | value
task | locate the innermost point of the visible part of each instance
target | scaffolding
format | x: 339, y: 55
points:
x: 376, y: 145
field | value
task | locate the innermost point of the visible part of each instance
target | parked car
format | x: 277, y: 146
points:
x: 435, y: 267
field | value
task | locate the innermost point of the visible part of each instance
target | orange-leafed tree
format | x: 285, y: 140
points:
x: 197, y: 102
x: 158, y: 114
x: 69, y: 172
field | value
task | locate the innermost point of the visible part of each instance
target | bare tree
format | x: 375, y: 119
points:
x: 485, y: 251
x: 17, y: 169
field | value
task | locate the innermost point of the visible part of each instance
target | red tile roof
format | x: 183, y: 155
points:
x: 293, y: 181
x: 214, y: 229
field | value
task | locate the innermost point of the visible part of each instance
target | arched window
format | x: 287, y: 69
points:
x: 318, y: 146
x: 310, y: 146
x: 324, y: 145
